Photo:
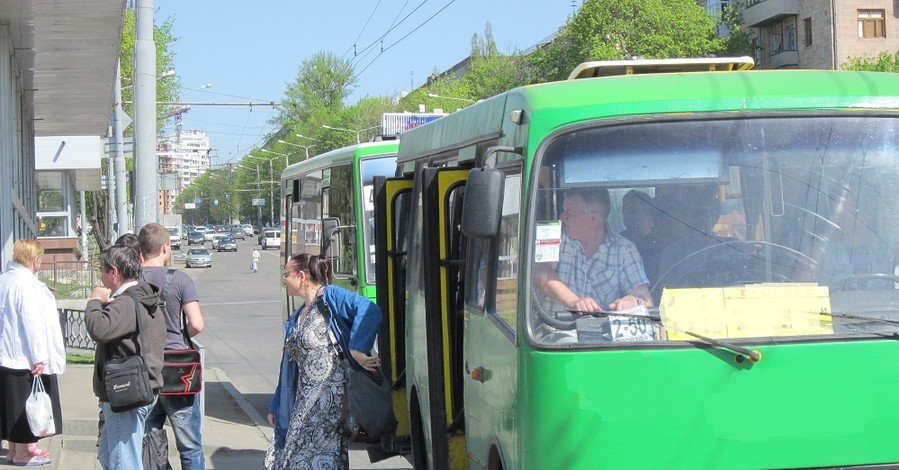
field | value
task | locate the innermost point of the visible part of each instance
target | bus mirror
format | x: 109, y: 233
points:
x: 483, y: 205
x: 331, y: 238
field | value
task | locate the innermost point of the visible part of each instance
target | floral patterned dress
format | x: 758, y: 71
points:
x: 315, y: 438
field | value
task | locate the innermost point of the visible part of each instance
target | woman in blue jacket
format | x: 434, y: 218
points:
x: 307, y: 410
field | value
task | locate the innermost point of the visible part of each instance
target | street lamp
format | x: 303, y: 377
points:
x: 271, y: 189
x: 467, y: 100
x: 258, y: 208
x: 307, y: 138
x: 286, y: 162
x: 358, y: 133
x: 304, y: 147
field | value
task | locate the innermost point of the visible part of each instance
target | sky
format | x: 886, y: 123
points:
x: 250, y: 50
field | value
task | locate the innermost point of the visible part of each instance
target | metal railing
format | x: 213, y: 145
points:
x: 74, y: 330
x: 70, y: 279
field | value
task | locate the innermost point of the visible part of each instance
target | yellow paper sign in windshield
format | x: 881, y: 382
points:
x: 758, y: 310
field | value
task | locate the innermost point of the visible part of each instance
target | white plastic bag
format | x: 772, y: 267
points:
x: 39, y: 410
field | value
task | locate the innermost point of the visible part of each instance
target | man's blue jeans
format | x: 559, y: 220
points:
x: 122, y: 439
x: 183, y: 412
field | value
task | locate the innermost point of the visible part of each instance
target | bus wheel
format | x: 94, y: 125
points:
x: 419, y: 450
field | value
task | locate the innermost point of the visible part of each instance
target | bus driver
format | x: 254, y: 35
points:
x: 597, y: 269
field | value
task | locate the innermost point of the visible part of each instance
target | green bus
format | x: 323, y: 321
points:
x: 766, y: 336
x: 328, y: 207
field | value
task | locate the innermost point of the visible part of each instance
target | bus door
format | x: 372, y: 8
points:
x: 442, y: 257
x: 392, y: 197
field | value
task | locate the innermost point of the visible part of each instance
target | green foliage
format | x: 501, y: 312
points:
x: 884, y: 62
x: 323, y: 84
x: 620, y: 29
x: 79, y: 359
x: 739, y: 42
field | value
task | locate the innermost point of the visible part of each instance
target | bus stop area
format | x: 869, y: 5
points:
x: 231, y: 438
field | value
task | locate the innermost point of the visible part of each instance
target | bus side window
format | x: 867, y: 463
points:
x: 506, y: 298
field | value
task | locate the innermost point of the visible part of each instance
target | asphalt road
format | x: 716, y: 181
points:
x: 245, y: 328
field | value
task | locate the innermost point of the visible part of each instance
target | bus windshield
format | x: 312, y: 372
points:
x: 382, y: 166
x: 763, y: 227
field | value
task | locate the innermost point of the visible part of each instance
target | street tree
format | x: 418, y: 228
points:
x: 621, y: 29
x: 321, y: 88
x: 883, y: 62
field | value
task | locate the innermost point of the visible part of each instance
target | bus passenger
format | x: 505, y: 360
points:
x: 597, y: 269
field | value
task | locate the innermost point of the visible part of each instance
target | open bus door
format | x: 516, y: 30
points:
x: 391, y: 198
x: 438, y: 332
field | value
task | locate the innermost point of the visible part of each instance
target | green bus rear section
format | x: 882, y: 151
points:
x: 346, y: 156
x: 810, y: 403
x: 803, y: 405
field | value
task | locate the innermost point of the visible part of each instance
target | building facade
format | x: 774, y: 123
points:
x: 820, y: 34
x: 182, y: 159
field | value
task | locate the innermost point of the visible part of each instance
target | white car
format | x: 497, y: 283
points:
x: 271, y: 239
x: 247, y: 229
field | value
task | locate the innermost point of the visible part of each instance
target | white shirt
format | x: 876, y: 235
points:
x: 29, y: 323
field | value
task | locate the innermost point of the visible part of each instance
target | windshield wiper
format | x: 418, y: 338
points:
x: 754, y: 355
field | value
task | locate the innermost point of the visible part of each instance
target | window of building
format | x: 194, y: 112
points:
x: 807, y: 26
x: 790, y: 35
x: 871, y: 24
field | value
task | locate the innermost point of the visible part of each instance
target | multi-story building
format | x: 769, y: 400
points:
x: 182, y: 159
x: 820, y: 34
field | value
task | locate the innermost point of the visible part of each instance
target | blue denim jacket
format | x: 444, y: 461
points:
x: 355, y: 321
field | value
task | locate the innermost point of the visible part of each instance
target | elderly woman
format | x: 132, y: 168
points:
x: 31, y: 348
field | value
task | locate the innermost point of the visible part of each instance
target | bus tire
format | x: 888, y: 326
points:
x: 419, y: 448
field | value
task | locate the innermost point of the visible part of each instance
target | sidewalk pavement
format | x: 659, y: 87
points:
x: 231, y: 439
x: 235, y: 436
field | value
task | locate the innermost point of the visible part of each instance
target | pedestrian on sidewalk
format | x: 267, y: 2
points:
x: 31, y: 348
x: 110, y: 321
x: 183, y: 411
x: 307, y: 410
x: 254, y: 260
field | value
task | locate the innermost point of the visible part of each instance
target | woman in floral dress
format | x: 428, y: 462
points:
x: 308, y: 408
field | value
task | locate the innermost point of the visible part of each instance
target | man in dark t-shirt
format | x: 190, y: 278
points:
x: 183, y: 411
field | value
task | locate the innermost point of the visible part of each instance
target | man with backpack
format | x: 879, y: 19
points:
x: 183, y: 411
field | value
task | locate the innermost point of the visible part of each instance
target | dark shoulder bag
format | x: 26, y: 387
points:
x: 182, y: 369
x: 127, y: 379
x: 370, y: 394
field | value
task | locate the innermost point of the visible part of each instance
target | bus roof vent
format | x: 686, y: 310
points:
x: 608, y: 68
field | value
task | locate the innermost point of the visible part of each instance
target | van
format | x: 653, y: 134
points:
x: 174, y: 237
x: 271, y: 238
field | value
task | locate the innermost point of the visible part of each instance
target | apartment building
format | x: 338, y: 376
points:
x: 820, y: 34
x: 182, y: 159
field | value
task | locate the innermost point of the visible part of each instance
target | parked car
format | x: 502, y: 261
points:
x: 271, y: 239
x: 198, y: 257
x: 196, y: 238
x: 227, y: 244
x: 237, y: 232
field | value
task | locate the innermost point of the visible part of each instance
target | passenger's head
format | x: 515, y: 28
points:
x: 636, y: 211
x: 119, y: 264
x: 28, y: 253
x: 152, y: 239
x: 314, y: 267
x: 585, y: 212
x: 129, y: 240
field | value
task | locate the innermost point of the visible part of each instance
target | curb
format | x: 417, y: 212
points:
x: 260, y: 422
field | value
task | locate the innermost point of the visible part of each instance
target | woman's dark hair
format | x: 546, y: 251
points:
x: 123, y: 258
x: 317, y: 266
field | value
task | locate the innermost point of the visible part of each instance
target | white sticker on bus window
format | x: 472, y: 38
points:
x: 548, y: 241
x: 632, y: 327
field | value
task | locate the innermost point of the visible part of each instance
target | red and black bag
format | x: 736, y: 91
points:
x: 182, y: 369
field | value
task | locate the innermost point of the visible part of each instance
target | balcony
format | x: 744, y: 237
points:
x: 785, y: 60
x: 761, y: 12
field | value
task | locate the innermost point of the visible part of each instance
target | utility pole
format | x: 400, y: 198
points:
x: 119, y: 124
x: 146, y: 191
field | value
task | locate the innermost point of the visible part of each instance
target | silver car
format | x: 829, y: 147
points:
x: 198, y: 257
